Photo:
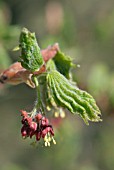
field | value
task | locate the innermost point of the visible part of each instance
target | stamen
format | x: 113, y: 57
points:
x: 48, y: 108
x: 56, y: 114
x: 62, y: 113
x: 54, y: 142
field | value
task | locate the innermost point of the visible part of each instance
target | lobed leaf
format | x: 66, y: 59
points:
x: 74, y: 99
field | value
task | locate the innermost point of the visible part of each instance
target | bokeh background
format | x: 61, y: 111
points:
x: 85, y: 31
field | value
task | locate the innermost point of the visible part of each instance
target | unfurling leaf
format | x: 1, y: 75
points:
x: 63, y: 64
x: 68, y: 96
x: 31, y: 58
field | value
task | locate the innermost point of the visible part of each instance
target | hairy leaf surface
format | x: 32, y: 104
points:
x: 31, y: 57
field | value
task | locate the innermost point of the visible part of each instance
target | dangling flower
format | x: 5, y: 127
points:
x: 37, y: 126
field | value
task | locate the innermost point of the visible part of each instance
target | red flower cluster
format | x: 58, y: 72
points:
x: 37, y: 126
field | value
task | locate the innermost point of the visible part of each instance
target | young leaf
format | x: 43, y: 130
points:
x: 68, y: 96
x: 31, y: 58
x: 63, y: 64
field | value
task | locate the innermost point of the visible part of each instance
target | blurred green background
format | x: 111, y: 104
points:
x: 85, y: 31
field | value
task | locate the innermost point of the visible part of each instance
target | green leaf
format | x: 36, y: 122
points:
x: 31, y: 57
x: 50, y: 65
x: 63, y: 64
x: 68, y: 96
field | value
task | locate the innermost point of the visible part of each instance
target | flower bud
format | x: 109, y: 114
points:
x: 44, y: 132
x: 33, y: 126
x: 38, y: 135
x: 24, y: 131
x: 38, y: 117
x: 45, y: 122
x: 29, y: 120
x: 24, y: 113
